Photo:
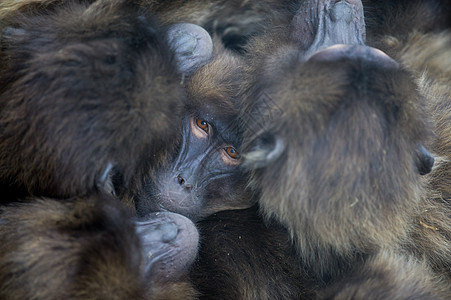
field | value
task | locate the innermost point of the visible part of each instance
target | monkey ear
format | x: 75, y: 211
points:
x: 265, y: 149
x: 424, y: 160
x: 192, y: 45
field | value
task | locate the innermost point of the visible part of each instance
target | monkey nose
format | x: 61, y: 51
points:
x: 183, y: 182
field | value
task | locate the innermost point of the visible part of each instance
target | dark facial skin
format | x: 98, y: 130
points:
x: 205, y: 174
x: 323, y: 23
x: 205, y: 170
x: 168, y: 245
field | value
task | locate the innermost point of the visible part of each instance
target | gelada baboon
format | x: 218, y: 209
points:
x: 88, y: 248
x: 224, y: 249
x: 90, y: 99
x: 89, y: 102
x: 234, y: 22
x: 205, y: 175
x: 215, y: 181
x: 428, y: 55
x: 338, y: 148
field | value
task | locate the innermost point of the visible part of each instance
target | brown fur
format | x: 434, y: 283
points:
x: 326, y: 114
x: 429, y: 56
x: 373, y: 270
x: 78, y: 249
x: 387, y: 275
x: 241, y: 257
x: 346, y: 184
x: 226, y: 265
x: 233, y: 21
x: 84, y: 87
x: 81, y: 87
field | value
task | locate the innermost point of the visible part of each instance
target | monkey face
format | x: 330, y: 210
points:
x: 206, y: 175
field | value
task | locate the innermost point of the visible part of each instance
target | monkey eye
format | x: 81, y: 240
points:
x: 232, y: 152
x: 202, y: 124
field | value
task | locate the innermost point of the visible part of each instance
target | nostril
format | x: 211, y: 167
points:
x: 183, y: 182
x: 180, y: 180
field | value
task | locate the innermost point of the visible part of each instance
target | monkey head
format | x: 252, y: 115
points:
x: 206, y: 174
x: 90, y: 96
x: 335, y: 140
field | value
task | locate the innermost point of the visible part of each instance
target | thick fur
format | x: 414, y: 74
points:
x: 89, y: 97
x: 93, y: 91
x: 74, y: 249
x: 375, y: 265
x: 241, y: 257
x: 429, y: 56
x: 387, y: 275
x: 79, y: 248
x: 322, y: 102
x: 346, y: 183
x: 234, y: 22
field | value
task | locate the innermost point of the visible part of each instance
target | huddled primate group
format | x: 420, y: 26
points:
x: 91, y: 101
x: 342, y: 184
x: 308, y: 141
x: 355, y: 169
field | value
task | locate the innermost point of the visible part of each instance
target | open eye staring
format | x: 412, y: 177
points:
x: 202, y: 124
x: 232, y: 152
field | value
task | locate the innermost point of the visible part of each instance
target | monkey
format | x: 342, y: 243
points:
x: 427, y: 54
x: 215, y: 188
x: 237, y: 22
x: 88, y: 248
x: 424, y: 165
x: 376, y: 262
x: 109, y: 124
x: 205, y: 175
x: 116, y: 84
x: 288, y: 106
x: 91, y: 97
x: 338, y: 148
x: 234, y: 22
x: 227, y: 267
x: 217, y: 110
